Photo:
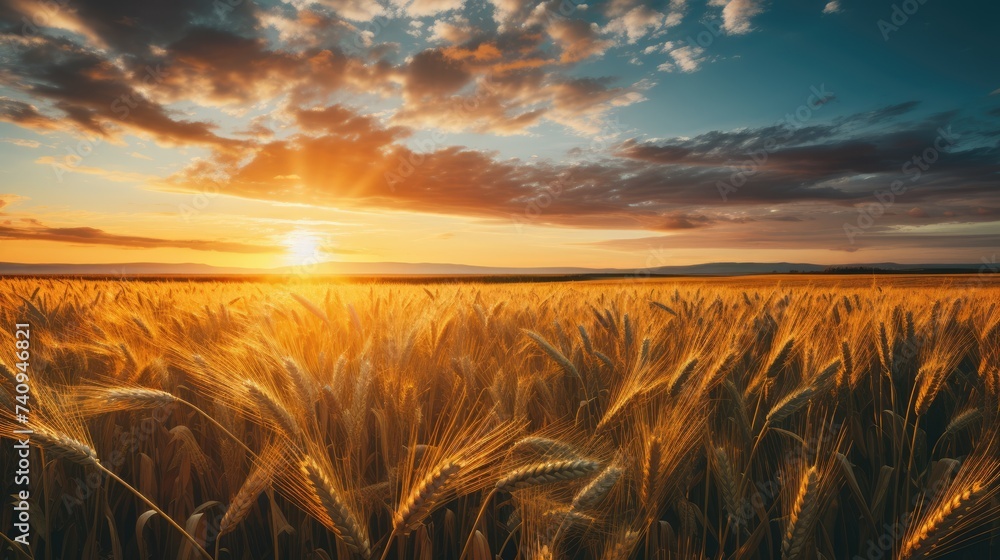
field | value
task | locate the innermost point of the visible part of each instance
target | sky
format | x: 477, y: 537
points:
x: 500, y: 133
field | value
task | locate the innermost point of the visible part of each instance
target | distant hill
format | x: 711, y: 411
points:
x: 444, y: 269
x: 120, y: 269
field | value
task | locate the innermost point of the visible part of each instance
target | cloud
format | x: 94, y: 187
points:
x: 636, y: 23
x: 94, y: 97
x: 736, y: 14
x: 683, y: 221
x: 452, y: 31
x: 254, y: 57
x: 687, y: 58
x: 137, y: 28
x: 71, y: 163
x: 26, y: 115
x: 506, y: 11
x: 431, y: 73
x: 35, y: 231
x: 426, y: 8
x: 355, y: 10
x: 306, y: 28
x: 813, y: 180
x: 831, y: 7
x: 10, y: 198
x: 501, y: 84
x: 577, y: 39
x: 22, y: 142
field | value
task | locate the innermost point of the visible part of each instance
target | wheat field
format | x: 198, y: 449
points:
x: 801, y: 418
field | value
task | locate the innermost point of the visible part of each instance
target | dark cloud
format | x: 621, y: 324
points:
x: 431, y: 73
x: 225, y: 66
x: 809, y: 187
x: 577, y: 39
x: 92, y: 236
x: 98, y: 97
x: 133, y: 28
x: 26, y: 115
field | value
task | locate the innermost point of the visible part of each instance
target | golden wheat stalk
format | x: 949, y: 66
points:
x: 789, y: 405
x: 136, y: 397
x: 272, y: 409
x: 339, y: 517
x: 931, y: 382
x: 779, y: 360
x: 848, y: 369
x: 312, y: 308
x: 244, y: 500
x: 593, y: 493
x: 555, y: 354
x: 545, y: 446
x: 826, y: 379
x: 941, y: 522
x: 726, y: 480
x: 650, y: 469
x: 677, y: 382
x: 424, y: 496
x: 799, y: 525
x: 739, y: 411
x: 547, y: 473
x: 963, y: 420
x: 62, y: 446
x: 303, y: 385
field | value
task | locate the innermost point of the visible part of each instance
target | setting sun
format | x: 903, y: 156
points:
x: 303, y: 248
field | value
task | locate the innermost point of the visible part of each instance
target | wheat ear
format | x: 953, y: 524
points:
x: 800, y: 520
x: 650, y: 468
x: 545, y: 446
x: 546, y: 473
x: 341, y: 520
x: 277, y: 413
x: 790, y: 404
x: 932, y: 530
x: 593, y: 493
x: 726, y: 481
x: 423, y: 497
x: 137, y: 397
x: 244, y: 500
